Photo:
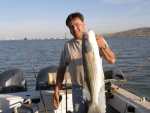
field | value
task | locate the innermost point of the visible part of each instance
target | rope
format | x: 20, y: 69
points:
x: 128, y: 78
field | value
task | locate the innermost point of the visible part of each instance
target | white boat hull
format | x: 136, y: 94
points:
x: 124, y: 100
x: 121, y: 101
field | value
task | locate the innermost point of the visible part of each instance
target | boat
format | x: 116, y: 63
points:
x: 41, y: 100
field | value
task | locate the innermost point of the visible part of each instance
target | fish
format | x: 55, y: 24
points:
x: 92, y: 69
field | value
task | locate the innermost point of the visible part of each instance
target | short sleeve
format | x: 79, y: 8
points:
x: 64, y: 59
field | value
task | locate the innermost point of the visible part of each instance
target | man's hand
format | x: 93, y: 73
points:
x: 106, y: 52
x: 60, y: 77
x: 100, y: 41
x: 56, y: 100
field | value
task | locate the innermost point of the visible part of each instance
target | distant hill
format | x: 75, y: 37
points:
x: 139, y: 32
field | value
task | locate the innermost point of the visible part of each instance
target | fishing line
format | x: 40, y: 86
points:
x: 29, y: 55
x: 35, y: 76
x: 128, y: 78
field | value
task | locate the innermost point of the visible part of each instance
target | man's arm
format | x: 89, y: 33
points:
x: 60, y: 77
x: 105, y: 50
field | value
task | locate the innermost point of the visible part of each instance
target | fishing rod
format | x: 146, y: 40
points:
x: 128, y: 78
x: 36, y: 78
x: 66, y: 94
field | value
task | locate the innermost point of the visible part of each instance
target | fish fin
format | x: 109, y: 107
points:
x: 94, y: 108
x: 101, y: 90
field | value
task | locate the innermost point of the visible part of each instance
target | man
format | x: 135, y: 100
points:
x: 71, y: 56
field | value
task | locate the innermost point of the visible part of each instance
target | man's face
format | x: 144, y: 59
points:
x: 76, y: 27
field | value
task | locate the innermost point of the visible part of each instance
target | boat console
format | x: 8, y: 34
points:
x: 12, y: 80
x: 46, y: 78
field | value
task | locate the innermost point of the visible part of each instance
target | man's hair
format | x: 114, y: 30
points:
x: 74, y: 15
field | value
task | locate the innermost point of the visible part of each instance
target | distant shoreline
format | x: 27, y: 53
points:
x: 67, y: 39
x: 138, y: 32
x: 132, y: 33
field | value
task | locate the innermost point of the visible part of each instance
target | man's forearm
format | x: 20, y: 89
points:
x: 60, y: 77
x: 108, y: 55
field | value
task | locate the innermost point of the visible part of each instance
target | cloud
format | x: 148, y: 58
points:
x: 121, y: 1
x: 140, y: 7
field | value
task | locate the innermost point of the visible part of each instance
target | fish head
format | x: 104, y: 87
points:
x: 89, y: 41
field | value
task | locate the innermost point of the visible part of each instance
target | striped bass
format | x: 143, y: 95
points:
x: 92, y: 69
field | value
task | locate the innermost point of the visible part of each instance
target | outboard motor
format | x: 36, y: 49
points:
x: 46, y: 78
x: 12, y: 80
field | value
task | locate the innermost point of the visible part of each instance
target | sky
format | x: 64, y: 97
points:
x: 34, y: 19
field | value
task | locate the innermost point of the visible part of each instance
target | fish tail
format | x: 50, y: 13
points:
x: 94, y: 108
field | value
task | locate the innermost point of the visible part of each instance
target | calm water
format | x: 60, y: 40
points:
x: 130, y: 54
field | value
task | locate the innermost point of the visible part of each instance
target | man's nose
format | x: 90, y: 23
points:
x: 74, y: 27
